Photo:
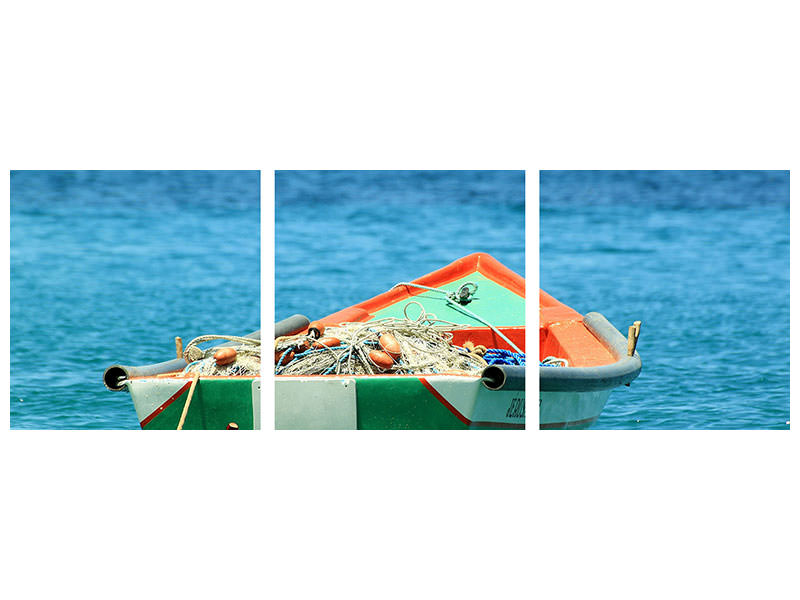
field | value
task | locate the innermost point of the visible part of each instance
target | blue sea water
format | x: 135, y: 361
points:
x: 342, y: 237
x: 702, y: 259
x: 110, y: 266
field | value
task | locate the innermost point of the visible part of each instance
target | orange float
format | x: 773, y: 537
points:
x: 326, y: 342
x: 381, y: 360
x: 390, y: 345
x: 225, y: 356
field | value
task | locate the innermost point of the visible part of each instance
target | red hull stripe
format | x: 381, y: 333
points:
x: 441, y: 399
x: 464, y: 419
x: 169, y: 401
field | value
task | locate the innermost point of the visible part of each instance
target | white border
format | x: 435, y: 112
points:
x: 423, y: 85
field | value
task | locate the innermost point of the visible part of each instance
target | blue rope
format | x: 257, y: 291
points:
x: 497, y: 356
x: 280, y: 360
x: 186, y: 369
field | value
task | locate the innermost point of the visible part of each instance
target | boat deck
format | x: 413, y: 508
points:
x: 500, y: 297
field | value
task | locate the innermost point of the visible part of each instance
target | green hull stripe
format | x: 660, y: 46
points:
x: 402, y: 403
x: 216, y: 402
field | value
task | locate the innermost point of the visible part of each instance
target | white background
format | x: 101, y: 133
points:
x: 425, y: 85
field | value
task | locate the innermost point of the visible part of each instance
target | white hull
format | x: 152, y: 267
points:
x: 570, y: 410
x: 317, y: 402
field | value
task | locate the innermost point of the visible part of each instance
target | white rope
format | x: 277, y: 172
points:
x: 462, y: 295
x: 554, y: 361
x: 458, y: 299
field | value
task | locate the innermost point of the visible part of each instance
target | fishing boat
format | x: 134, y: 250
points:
x: 216, y: 387
x: 582, y: 359
x: 472, y: 312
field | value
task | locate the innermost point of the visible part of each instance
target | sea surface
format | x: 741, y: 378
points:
x: 342, y: 237
x: 108, y: 267
x: 702, y: 259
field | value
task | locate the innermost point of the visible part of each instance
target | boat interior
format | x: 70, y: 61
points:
x: 562, y: 334
x: 499, y: 297
x: 486, y: 337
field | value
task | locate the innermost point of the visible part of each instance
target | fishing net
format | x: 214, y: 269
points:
x: 425, y: 347
x: 246, y: 361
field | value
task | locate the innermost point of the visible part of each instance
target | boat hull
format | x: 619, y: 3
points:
x: 483, y: 299
x: 571, y: 410
x: 217, y: 402
x: 395, y: 402
x: 573, y: 397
